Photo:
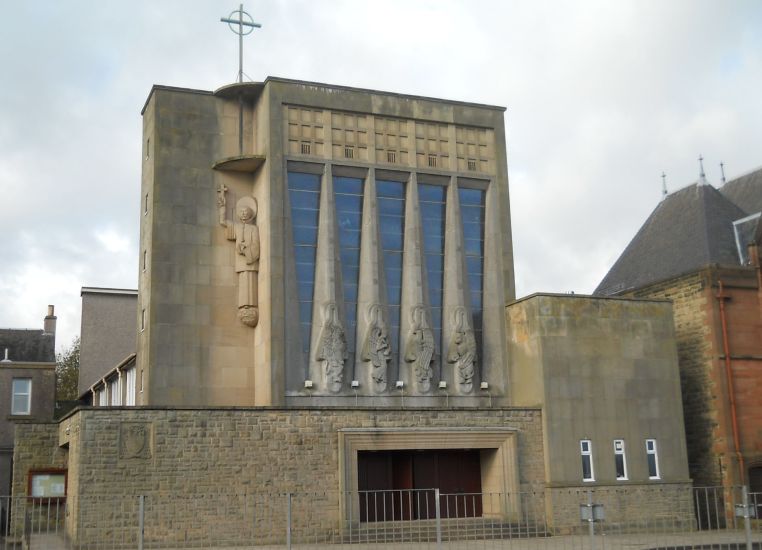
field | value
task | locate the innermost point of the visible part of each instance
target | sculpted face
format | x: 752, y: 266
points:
x: 245, y: 214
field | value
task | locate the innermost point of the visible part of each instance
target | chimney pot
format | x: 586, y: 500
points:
x: 49, y: 325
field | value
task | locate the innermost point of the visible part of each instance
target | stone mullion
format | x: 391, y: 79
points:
x: 414, y: 284
x: 328, y: 283
x: 455, y: 281
x: 372, y: 283
x: 492, y: 365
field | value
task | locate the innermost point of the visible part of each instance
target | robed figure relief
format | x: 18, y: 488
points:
x: 462, y: 351
x: 246, y: 236
x: 419, y: 348
x: 332, y: 349
x: 376, y: 349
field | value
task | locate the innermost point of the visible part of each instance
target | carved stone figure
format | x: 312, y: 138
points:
x: 419, y: 348
x: 332, y: 349
x: 376, y: 348
x: 462, y: 351
x: 246, y: 236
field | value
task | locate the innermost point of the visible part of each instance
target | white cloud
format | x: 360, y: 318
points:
x: 602, y: 96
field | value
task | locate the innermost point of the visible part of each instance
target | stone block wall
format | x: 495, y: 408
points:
x: 706, y: 401
x: 233, y: 467
x: 36, y: 448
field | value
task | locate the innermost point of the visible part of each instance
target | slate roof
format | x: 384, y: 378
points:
x: 690, y: 229
x: 745, y: 191
x: 27, y: 345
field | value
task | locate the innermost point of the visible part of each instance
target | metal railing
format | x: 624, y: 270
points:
x: 656, y: 517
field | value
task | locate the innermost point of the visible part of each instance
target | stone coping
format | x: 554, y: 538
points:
x: 328, y: 408
x: 586, y: 296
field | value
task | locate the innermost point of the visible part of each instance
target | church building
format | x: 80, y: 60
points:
x: 326, y: 302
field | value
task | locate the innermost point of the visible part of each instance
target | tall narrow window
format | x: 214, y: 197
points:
x: 586, y: 450
x: 115, y: 389
x: 21, y: 401
x: 103, y: 396
x: 620, y: 459
x: 652, y: 455
x: 304, y: 194
x: 433, y: 206
x: 145, y: 257
x: 143, y: 319
x: 129, y: 396
x: 391, y: 208
x: 348, y: 193
x: 472, y: 209
x: 145, y: 205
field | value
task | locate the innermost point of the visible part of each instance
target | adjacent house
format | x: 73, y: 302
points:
x: 27, y: 386
x: 700, y: 248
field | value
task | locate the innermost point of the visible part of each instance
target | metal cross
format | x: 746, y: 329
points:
x: 664, y: 184
x: 240, y: 23
x: 701, y: 164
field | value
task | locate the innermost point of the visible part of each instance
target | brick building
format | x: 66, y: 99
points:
x: 700, y: 249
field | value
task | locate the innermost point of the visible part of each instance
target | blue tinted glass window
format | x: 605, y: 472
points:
x: 432, y: 199
x: 348, y: 196
x: 472, y: 216
x: 391, y: 208
x: 304, y: 196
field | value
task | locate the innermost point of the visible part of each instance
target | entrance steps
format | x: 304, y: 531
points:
x: 452, y: 529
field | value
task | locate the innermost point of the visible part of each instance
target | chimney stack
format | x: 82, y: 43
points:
x: 49, y: 326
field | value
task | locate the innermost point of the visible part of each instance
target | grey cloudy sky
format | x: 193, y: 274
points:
x: 602, y: 96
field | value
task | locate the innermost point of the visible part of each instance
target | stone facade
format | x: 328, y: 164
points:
x: 108, y: 333
x: 706, y: 398
x: 190, y: 291
x: 603, y: 370
x: 214, y: 456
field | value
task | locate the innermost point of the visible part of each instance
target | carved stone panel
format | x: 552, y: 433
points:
x: 332, y: 349
x: 419, y: 348
x: 462, y: 351
x: 376, y: 349
x: 135, y: 440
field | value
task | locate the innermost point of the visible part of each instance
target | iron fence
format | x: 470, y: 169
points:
x: 656, y: 517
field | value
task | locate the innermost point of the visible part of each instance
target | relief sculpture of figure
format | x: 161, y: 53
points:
x: 376, y: 348
x: 419, y: 349
x: 332, y: 349
x: 246, y: 236
x: 462, y: 352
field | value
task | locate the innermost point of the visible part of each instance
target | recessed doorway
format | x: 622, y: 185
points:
x: 399, y: 485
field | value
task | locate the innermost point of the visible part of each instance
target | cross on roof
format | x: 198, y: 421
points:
x: 244, y: 20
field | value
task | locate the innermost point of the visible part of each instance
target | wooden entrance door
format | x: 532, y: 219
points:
x: 398, y: 485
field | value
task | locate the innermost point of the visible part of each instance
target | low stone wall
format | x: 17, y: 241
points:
x: 649, y: 508
x: 233, y: 467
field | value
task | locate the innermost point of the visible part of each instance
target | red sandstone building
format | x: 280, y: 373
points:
x: 700, y: 248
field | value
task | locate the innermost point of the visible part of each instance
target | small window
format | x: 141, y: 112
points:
x: 620, y: 460
x: 145, y: 255
x: 143, y: 319
x: 586, y: 450
x: 21, y: 402
x: 349, y: 152
x: 145, y: 205
x: 306, y: 148
x: 103, y: 397
x: 432, y: 161
x: 391, y: 156
x: 652, y: 455
x: 471, y: 165
x: 141, y: 380
x: 148, y: 148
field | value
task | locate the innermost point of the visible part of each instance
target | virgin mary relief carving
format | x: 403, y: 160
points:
x: 246, y: 236
x: 419, y: 348
x: 376, y: 348
x: 332, y: 349
x: 462, y: 351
